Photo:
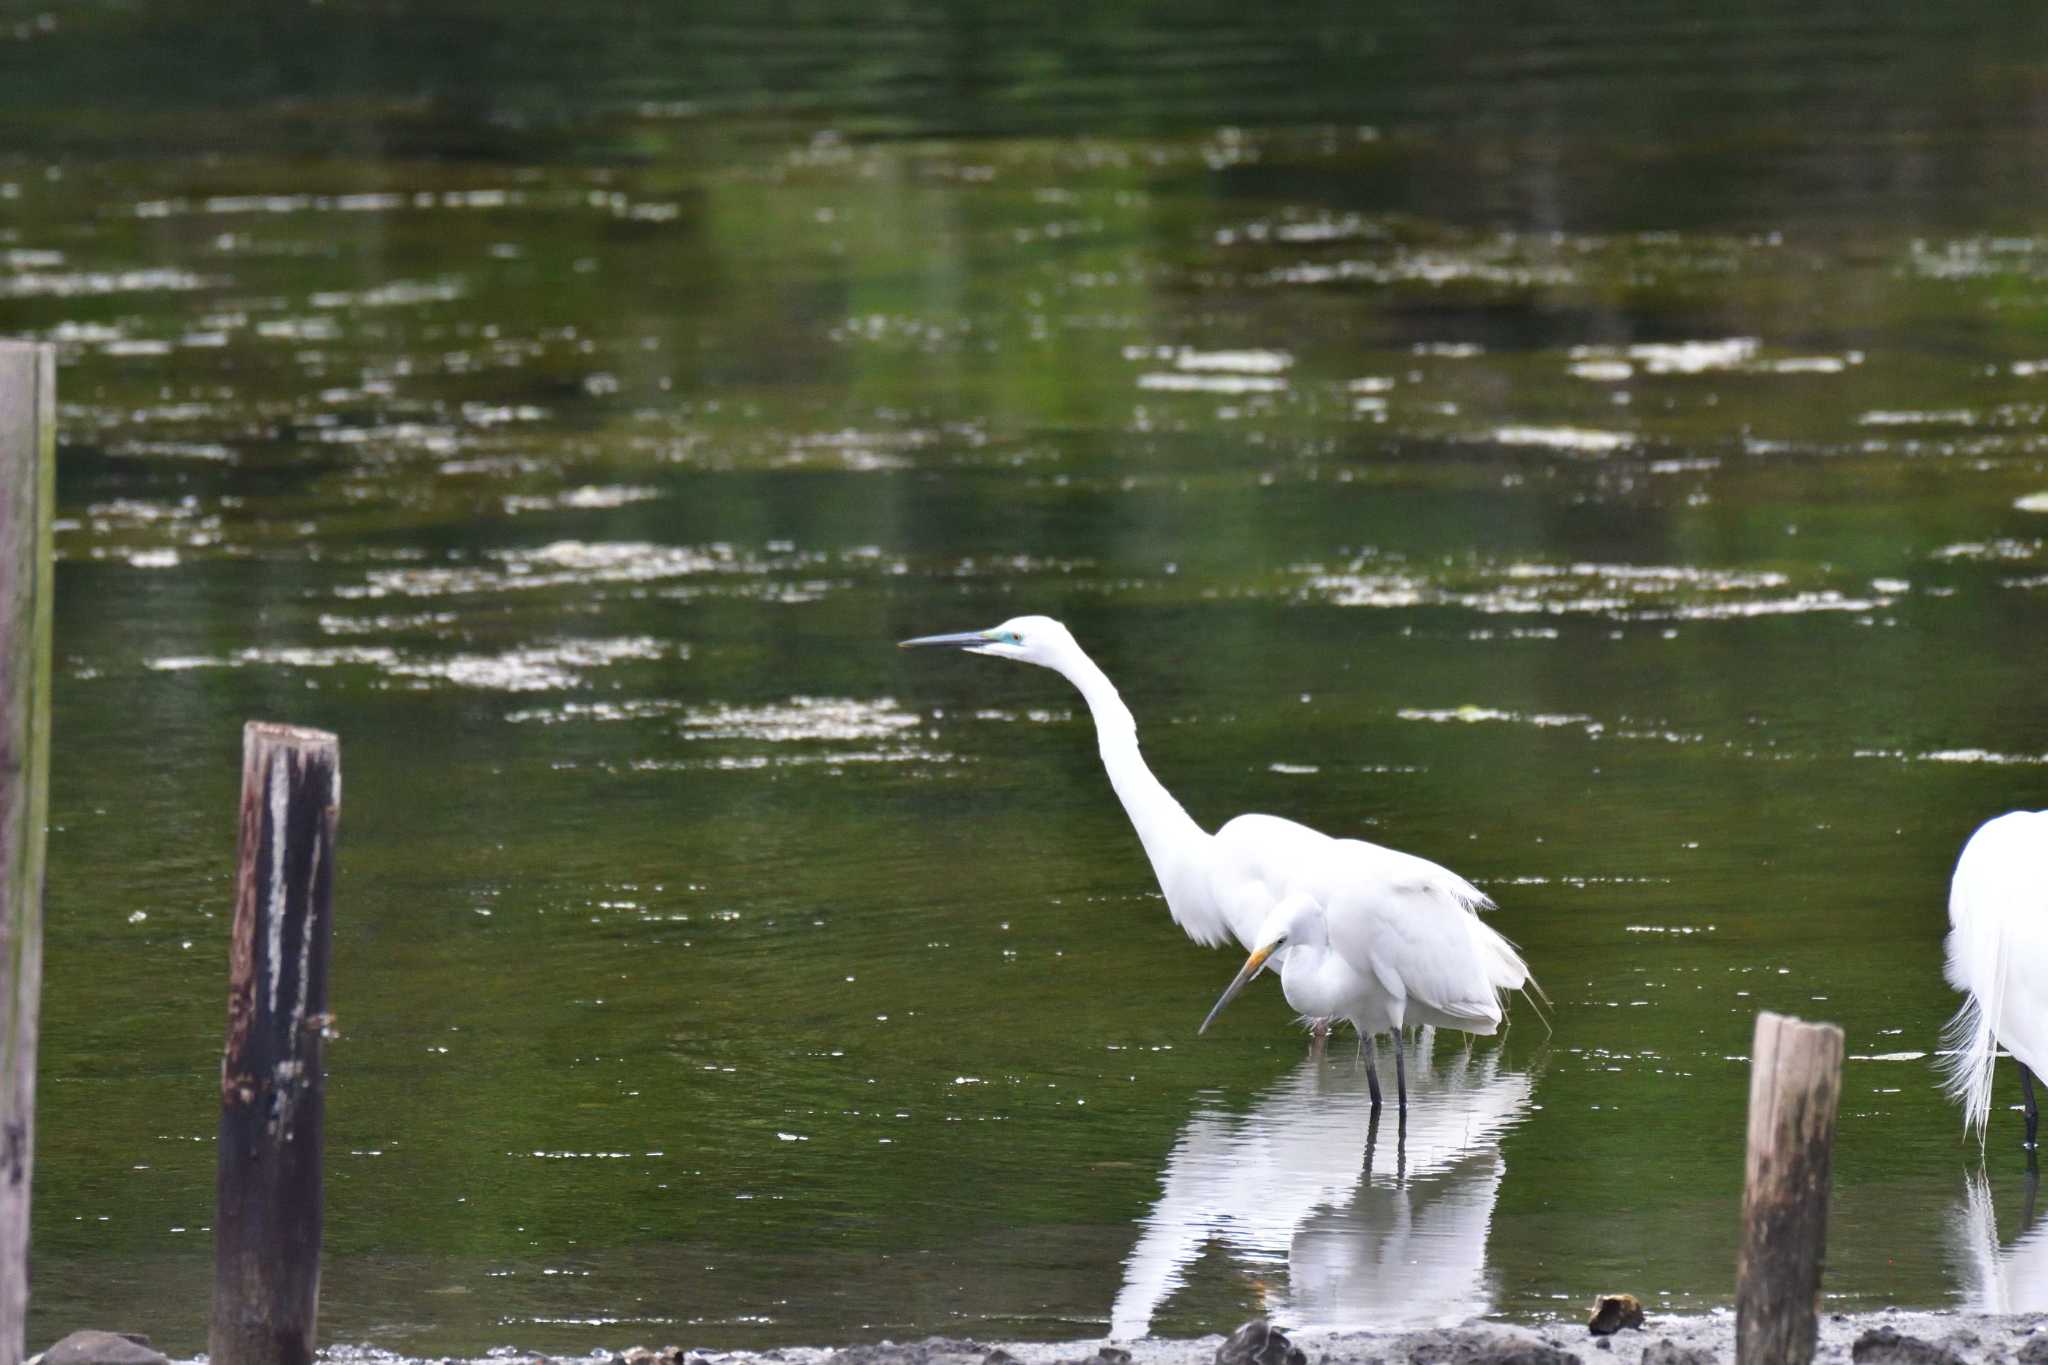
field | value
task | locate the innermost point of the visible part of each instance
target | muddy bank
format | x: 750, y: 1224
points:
x: 1885, y: 1338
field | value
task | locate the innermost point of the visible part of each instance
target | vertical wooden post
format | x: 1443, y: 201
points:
x: 266, y: 1229
x: 1795, y: 1083
x: 28, y: 462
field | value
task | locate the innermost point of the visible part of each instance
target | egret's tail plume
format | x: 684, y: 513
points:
x: 1507, y: 972
x: 1966, y: 1064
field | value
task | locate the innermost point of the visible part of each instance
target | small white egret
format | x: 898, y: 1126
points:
x: 1364, y: 933
x: 1998, y: 957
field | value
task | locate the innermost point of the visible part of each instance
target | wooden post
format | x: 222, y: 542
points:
x: 266, y: 1230
x: 28, y: 462
x: 1795, y: 1082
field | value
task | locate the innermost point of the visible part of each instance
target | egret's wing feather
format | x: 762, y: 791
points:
x: 1254, y: 861
x: 1414, y: 927
x: 1998, y: 928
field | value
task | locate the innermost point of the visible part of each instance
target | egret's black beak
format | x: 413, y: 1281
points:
x: 965, y: 639
x: 1252, y: 966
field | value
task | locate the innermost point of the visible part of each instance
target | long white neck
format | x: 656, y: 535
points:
x: 1169, y: 834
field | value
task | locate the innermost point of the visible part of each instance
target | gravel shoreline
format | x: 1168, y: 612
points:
x: 1880, y: 1338
x: 1889, y: 1337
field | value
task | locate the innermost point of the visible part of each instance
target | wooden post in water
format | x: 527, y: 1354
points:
x: 1795, y: 1082
x: 28, y: 462
x: 266, y: 1228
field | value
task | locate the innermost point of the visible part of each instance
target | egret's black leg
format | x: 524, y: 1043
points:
x: 1401, y: 1148
x: 1372, y: 1077
x: 1372, y: 1136
x: 1401, y: 1076
x: 2033, y: 1112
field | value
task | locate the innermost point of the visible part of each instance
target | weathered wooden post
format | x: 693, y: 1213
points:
x: 28, y: 462
x: 266, y: 1229
x: 1795, y: 1082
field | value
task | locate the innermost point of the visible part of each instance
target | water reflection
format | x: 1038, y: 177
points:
x: 1378, y: 1222
x: 1994, y: 1278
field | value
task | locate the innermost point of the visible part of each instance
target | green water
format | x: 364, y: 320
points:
x: 1603, y: 453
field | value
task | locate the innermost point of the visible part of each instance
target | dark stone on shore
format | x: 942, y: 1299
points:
x: 2034, y: 1352
x: 930, y: 1351
x: 1665, y: 1351
x: 104, y: 1348
x: 1612, y: 1312
x: 1475, y: 1348
x: 1883, y: 1346
x: 1106, y: 1355
x: 1258, y: 1342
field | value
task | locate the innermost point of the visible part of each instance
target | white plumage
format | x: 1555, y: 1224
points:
x: 1998, y: 957
x: 1381, y: 938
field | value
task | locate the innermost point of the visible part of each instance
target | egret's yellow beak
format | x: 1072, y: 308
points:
x: 1252, y: 967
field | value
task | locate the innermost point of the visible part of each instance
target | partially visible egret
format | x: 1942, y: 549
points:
x: 1998, y: 957
x: 1381, y: 938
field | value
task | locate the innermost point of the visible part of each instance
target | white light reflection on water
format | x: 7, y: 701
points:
x: 589, y: 497
x: 1984, y: 756
x: 1572, y: 440
x: 74, y: 284
x: 1212, y: 383
x: 1379, y: 1224
x: 1630, y: 592
x: 531, y: 668
x: 838, y: 719
x: 1473, y: 715
x: 570, y: 563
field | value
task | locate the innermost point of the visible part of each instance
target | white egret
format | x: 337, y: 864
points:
x: 1998, y: 957
x: 1381, y: 938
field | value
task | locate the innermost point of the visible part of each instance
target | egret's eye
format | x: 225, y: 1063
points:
x: 1011, y: 637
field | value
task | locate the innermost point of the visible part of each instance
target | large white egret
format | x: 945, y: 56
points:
x: 1364, y: 933
x: 1998, y: 958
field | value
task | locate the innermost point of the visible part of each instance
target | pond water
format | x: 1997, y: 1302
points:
x: 1606, y: 460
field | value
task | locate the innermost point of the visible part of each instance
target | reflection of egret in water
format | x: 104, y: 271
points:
x: 1379, y: 1223
x: 1996, y: 1279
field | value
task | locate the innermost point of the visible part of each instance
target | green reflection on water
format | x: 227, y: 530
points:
x: 1489, y: 441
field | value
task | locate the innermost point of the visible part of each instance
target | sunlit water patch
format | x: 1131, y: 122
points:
x: 1478, y: 715
x: 577, y: 563
x: 589, y: 497
x: 802, y: 719
x: 1983, y: 756
x: 803, y: 731
x: 533, y: 668
x: 1570, y: 440
x: 2002, y: 550
x: 1629, y: 592
x: 145, y: 533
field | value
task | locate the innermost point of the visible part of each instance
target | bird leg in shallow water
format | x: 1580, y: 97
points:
x: 1401, y: 1076
x: 1372, y: 1073
x: 1318, y: 1035
x: 2033, y: 1112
